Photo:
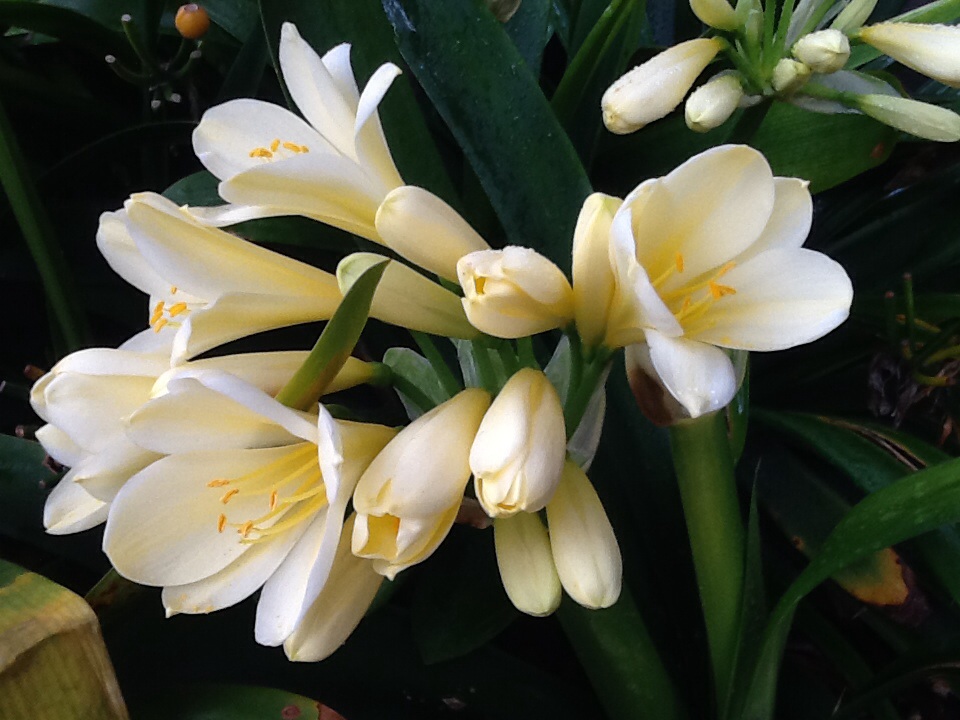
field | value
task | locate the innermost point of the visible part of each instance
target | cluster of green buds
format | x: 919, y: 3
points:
x: 807, y: 54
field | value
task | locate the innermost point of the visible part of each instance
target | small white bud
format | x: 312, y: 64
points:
x: 824, y: 51
x: 712, y: 104
x: 789, y: 76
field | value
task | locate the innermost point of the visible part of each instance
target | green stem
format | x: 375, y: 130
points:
x: 618, y: 655
x: 528, y: 357
x: 580, y: 393
x: 40, y: 238
x: 704, y: 466
x: 488, y: 376
x: 750, y: 121
x: 451, y: 386
x: 417, y: 396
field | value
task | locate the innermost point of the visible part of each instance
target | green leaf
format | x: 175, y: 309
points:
x: 909, y: 507
x: 54, y: 663
x: 68, y: 25
x: 363, y: 24
x: 415, y: 380
x: 529, y: 29
x: 222, y: 702
x: 486, y: 94
x: 336, y: 342
x: 246, y: 72
x: 453, y: 611
x: 240, y: 18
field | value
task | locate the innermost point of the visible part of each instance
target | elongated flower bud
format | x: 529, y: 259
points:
x: 526, y: 564
x: 853, y: 15
x: 421, y: 227
x: 584, y: 546
x: 917, y: 118
x: 406, y: 298
x: 933, y: 50
x: 514, y: 292
x: 593, y: 279
x: 824, y: 51
x: 650, y: 91
x: 518, y: 454
x: 715, y: 13
x: 710, y: 105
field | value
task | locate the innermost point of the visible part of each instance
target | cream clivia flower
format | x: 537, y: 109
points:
x: 933, y: 50
x: 228, y: 511
x: 408, y: 498
x: 518, y: 454
x: 335, y: 167
x: 525, y: 561
x: 709, y: 259
x: 206, y: 286
x: 514, y: 292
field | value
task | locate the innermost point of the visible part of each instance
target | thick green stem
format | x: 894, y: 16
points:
x: 619, y: 657
x: 429, y: 349
x: 704, y: 466
x: 39, y: 236
x: 580, y: 393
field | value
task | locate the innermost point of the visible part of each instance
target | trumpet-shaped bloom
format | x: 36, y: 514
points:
x: 711, y: 104
x: 584, y: 547
x: 208, y: 287
x: 519, y: 451
x: 933, y: 50
x: 406, y: 298
x: 709, y: 257
x: 335, y: 167
x: 233, y: 511
x: 408, y: 498
x: 514, y: 292
x: 653, y: 89
x: 422, y: 228
x: 526, y: 564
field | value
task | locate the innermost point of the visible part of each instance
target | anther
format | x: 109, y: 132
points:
x: 679, y: 261
x: 261, y: 153
x: 273, y: 500
x: 173, y: 289
x: 159, y: 325
x: 245, y: 529
x: 228, y: 494
x: 221, y: 522
x: 718, y: 291
x: 176, y: 309
x: 217, y: 483
x: 274, y: 145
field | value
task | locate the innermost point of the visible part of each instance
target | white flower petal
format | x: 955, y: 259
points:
x: 701, y: 377
x: 121, y: 253
x: 228, y: 133
x: 338, y: 609
x: 372, y: 148
x: 103, y: 473
x: 790, y: 222
x: 162, y: 528
x: 59, y: 446
x: 70, y: 509
x: 234, y: 583
x: 785, y: 297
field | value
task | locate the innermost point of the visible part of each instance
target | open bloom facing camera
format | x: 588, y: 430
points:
x: 708, y: 259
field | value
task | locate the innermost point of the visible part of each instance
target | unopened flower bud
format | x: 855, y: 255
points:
x: 650, y: 91
x: 593, y: 280
x: 192, y: 21
x: 715, y: 13
x: 520, y: 448
x: 710, y: 105
x: 526, y: 564
x: 933, y: 50
x: 789, y: 76
x: 824, y: 51
x: 853, y: 15
x: 917, y: 118
x: 514, y: 292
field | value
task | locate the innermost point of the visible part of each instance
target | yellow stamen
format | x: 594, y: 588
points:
x: 292, y: 147
x: 273, y: 500
x: 304, y: 149
x: 219, y: 482
x: 245, y: 529
x: 275, y: 144
x: 221, y: 522
x: 228, y: 494
x: 718, y: 291
x: 159, y: 324
x: 261, y: 153
x: 173, y: 289
x: 679, y: 261
x: 176, y: 309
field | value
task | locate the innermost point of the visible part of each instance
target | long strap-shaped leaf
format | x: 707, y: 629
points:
x: 485, y: 92
x: 909, y: 507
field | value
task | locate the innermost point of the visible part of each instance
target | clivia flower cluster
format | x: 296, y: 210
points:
x: 213, y: 487
x: 802, y: 56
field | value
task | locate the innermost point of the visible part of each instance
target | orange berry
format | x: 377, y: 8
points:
x: 192, y: 21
